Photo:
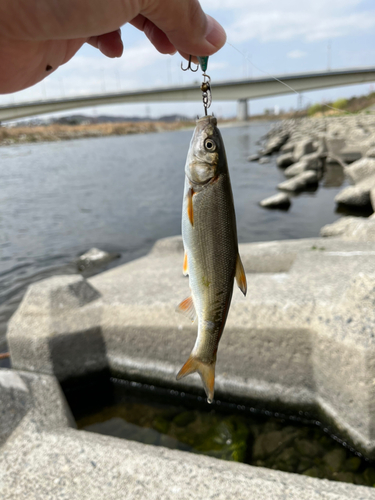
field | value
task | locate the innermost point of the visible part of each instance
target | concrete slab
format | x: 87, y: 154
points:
x: 45, y: 457
x: 304, y: 336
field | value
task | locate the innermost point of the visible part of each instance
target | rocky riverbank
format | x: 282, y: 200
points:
x: 306, y: 147
x: 56, y: 132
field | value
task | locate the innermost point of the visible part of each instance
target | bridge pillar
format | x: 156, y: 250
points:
x: 242, y: 110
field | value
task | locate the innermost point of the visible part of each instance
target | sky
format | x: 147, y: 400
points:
x: 265, y: 37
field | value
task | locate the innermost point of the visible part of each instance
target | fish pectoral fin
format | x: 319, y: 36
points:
x: 185, y: 270
x: 190, y: 211
x: 187, y: 308
x: 241, y: 276
x: 206, y: 372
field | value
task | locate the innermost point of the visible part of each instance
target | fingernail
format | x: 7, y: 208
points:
x: 215, y: 34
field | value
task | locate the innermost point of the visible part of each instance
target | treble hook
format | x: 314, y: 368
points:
x: 189, y: 66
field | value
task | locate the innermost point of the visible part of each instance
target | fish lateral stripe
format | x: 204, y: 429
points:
x: 241, y: 276
x: 190, y: 211
x: 187, y: 308
x: 185, y: 270
x: 205, y: 370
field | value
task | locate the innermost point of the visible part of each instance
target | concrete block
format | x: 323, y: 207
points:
x: 46, y: 457
x: 358, y: 195
x: 280, y: 200
x: 295, y: 340
x: 300, y: 182
x: 360, y: 169
x: 351, y: 228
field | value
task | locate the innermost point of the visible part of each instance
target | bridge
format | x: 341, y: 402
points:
x: 239, y: 90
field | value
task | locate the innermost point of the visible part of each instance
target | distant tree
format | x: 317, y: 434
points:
x: 315, y: 108
x: 340, y: 104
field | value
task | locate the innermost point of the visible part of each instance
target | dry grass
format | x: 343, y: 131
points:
x: 67, y: 132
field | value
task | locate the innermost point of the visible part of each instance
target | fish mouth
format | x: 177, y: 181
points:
x: 208, y: 120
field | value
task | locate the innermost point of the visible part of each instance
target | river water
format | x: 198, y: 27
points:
x: 121, y: 194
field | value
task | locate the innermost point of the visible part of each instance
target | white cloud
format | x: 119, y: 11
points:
x: 296, y: 54
x: 268, y: 20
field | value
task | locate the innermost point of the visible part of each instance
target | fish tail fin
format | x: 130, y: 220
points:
x: 206, y: 372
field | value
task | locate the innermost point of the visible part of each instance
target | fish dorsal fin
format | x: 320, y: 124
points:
x: 240, y: 275
x: 185, y: 270
x: 187, y: 308
x: 190, y: 211
x: 206, y: 372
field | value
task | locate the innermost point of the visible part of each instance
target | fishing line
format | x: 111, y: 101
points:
x: 283, y: 83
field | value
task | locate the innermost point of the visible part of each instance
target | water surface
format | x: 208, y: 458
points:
x: 121, y: 194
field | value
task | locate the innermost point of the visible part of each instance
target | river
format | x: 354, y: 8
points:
x: 121, y: 194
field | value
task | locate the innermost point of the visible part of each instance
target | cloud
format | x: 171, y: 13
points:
x: 288, y: 19
x: 296, y: 54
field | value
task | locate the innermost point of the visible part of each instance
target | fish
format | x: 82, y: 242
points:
x: 211, y: 258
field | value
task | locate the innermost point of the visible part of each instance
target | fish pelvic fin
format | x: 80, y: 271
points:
x: 241, y: 276
x: 186, y: 307
x: 185, y: 270
x: 206, y: 372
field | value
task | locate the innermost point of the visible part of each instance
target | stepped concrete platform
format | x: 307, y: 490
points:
x: 42, y: 456
x: 303, y: 337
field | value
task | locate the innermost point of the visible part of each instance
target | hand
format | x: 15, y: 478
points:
x: 38, y: 36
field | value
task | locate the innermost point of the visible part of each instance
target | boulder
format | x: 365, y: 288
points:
x: 264, y: 160
x: 303, y: 148
x: 311, y: 161
x: 280, y: 200
x: 339, y: 146
x: 300, y: 182
x: 351, y: 228
x: 288, y: 147
x: 358, y: 195
x: 285, y: 160
x: 254, y: 157
x: 274, y: 143
x: 95, y: 258
x: 372, y: 199
x: 360, y: 169
x: 370, y: 153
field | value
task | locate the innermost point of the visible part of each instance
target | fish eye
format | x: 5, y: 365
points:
x: 210, y: 145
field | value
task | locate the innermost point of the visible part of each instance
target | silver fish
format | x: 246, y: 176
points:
x: 210, y: 241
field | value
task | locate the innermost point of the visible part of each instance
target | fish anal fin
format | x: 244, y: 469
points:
x: 187, y: 308
x: 185, y: 269
x: 206, y: 372
x: 241, y: 276
x: 190, y: 210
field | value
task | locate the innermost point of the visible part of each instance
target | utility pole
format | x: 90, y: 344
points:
x: 329, y: 55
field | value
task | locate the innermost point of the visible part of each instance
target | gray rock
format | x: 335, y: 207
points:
x: 95, y: 258
x: 288, y: 147
x: 351, y: 228
x: 346, y: 150
x: 372, y: 198
x: 300, y: 182
x: 280, y: 200
x: 358, y: 195
x: 263, y: 160
x: 303, y: 148
x: 335, y: 459
x: 360, y: 169
x: 311, y: 161
x: 285, y: 160
x: 370, y: 153
x: 254, y: 157
x: 274, y: 143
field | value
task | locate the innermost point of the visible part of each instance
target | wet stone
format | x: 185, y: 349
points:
x: 335, y: 459
x: 308, y: 448
x: 352, y: 464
